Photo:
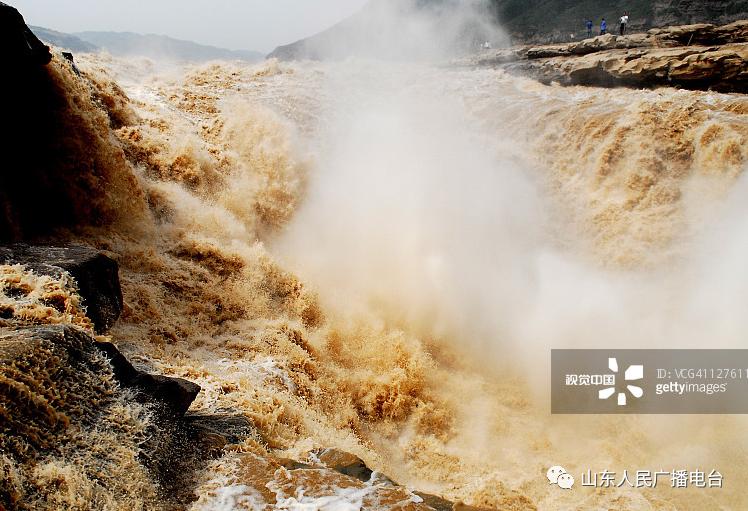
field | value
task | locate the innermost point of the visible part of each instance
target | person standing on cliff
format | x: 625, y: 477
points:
x: 624, y: 22
x: 603, y: 27
x: 589, y: 28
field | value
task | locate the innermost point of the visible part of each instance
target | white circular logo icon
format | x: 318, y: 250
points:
x: 558, y: 475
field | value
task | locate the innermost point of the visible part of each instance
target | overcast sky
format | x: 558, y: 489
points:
x: 236, y: 24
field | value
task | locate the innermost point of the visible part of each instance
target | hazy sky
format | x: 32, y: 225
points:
x: 236, y: 24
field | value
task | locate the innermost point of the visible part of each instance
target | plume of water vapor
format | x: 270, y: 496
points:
x: 411, y: 30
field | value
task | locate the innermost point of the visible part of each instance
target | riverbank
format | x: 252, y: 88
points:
x: 698, y: 57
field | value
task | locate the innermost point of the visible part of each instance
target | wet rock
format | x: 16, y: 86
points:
x: 50, y: 376
x: 19, y: 44
x: 175, y: 393
x: 69, y: 57
x: 233, y: 427
x: 95, y: 274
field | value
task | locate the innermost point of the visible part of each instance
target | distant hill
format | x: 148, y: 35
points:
x: 62, y: 40
x: 158, y: 47
x: 163, y: 47
x: 532, y: 21
x: 401, y: 29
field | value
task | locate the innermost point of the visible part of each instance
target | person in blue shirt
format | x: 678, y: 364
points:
x: 603, y: 27
x: 589, y: 28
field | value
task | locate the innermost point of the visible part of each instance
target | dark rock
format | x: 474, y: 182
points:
x: 124, y: 372
x: 175, y: 393
x: 175, y: 447
x: 19, y: 44
x: 70, y: 171
x: 98, y: 285
x: 69, y: 57
x: 233, y: 427
x: 96, y: 276
x: 213, y: 432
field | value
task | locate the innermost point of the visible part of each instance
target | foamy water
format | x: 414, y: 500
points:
x: 379, y: 257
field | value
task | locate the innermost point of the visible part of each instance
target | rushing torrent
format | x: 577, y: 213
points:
x: 378, y: 258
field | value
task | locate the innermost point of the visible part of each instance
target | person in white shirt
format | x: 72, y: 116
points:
x: 624, y: 22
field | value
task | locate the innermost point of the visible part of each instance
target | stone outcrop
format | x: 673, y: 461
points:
x: 720, y: 68
x: 68, y: 171
x: 94, y: 273
x: 96, y: 280
x: 700, y: 35
x: 59, y: 385
x: 175, y: 394
x: 20, y: 46
x: 693, y: 57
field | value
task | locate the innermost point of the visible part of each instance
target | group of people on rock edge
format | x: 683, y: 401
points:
x: 604, y: 25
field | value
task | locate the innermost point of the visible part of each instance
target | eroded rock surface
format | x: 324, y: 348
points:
x: 62, y: 391
x: 700, y: 56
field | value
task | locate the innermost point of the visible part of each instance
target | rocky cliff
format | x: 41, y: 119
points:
x: 698, y: 56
